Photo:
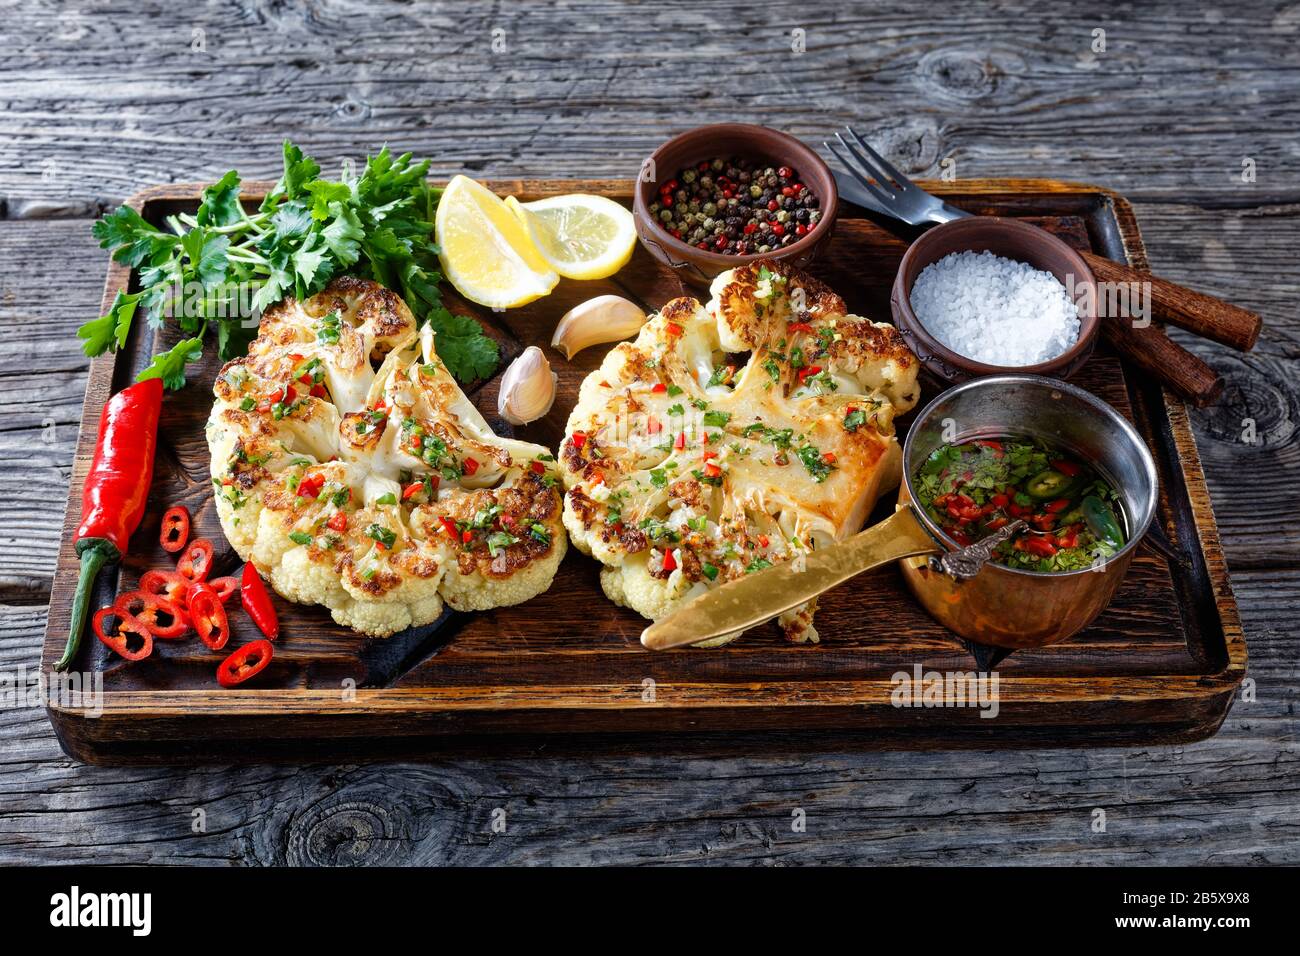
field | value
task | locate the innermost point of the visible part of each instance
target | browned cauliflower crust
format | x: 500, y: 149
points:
x: 731, y: 436
x: 351, y: 469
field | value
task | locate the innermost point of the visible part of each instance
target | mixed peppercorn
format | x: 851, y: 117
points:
x: 736, y: 207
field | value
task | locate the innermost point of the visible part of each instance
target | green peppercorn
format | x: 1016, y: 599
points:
x: 666, y: 215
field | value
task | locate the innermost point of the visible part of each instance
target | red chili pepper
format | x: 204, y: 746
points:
x: 116, y: 489
x: 1057, y: 506
x: 673, y: 329
x: 763, y: 541
x: 798, y: 327
x: 579, y: 440
x: 990, y: 444
x: 537, y: 467
x: 659, y: 388
x: 449, y: 526
x: 318, y: 391
x: 1039, y: 547
x: 131, y: 639
x: 470, y: 466
x: 175, y: 528
x: 653, y: 426
x: 712, y: 470
x: 669, y: 563
x: 168, y: 584
x: 257, y: 602
x: 164, y: 619
x: 224, y: 587
x: 680, y: 441
x: 249, y: 661
x: 409, y: 492
x: 196, y: 561
x: 1067, y: 468
x: 338, y: 522
x: 208, y: 616
x: 806, y: 373
x: 311, y: 485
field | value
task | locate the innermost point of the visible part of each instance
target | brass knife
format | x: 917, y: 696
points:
x: 755, y: 598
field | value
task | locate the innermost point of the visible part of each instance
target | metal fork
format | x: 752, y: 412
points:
x: 878, y: 186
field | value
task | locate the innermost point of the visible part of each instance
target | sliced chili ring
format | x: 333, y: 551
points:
x: 175, y: 528
x: 208, y: 616
x: 224, y: 587
x: 196, y: 560
x: 165, y: 619
x: 168, y: 584
x: 131, y: 639
x: 247, y: 662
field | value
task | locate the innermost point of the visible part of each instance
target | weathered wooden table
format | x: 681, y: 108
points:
x: 1191, y: 113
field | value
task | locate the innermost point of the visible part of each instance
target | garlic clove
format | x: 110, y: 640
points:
x: 528, y: 388
x: 606, y: 318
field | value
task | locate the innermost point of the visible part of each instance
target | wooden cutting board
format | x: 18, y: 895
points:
x: 1162, y: 663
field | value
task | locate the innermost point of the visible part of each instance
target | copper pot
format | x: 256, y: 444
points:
x: 1008, y: 607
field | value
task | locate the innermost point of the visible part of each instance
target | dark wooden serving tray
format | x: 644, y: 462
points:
x: 1161, y: 664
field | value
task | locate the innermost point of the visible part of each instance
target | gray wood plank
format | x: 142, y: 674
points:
x: 102, y: 102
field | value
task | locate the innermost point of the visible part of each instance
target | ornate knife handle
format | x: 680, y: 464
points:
x: 964, y: 564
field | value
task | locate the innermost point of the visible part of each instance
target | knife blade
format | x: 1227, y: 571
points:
x: 750, y: 600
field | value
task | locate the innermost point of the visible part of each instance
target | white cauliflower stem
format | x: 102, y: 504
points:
x: 353, y: 472
x: 729, y: 437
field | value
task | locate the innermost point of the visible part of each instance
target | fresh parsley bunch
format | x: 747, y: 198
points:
x: 306, y: 231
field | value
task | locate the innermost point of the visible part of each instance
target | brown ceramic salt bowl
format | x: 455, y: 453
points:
x: 723, y: 141
x: 1011, y: 239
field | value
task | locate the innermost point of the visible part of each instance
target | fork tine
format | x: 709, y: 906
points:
x: 886, y: 199
x: 903, y: 182
x: 881, y: 180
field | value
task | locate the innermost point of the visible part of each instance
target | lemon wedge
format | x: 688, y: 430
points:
x: 486, y: 252
x: 580, y: 236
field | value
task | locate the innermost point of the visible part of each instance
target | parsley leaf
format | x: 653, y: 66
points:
x: 462, y: 346
x: 306, y: 231
x: 170, y: 365
x: 220, y: 206
x: 108, y: 332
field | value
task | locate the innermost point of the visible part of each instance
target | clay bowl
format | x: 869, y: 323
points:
x: 723, y: 140
x: 1012, y: 239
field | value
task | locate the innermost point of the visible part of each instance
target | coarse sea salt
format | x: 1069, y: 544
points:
x: 995, y: 310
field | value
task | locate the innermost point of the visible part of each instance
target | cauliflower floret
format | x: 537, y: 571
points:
x: 731, y: 436
x: 380, y: 493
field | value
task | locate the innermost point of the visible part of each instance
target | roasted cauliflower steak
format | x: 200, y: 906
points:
x: 731, y: 436
x: 353, y: 472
